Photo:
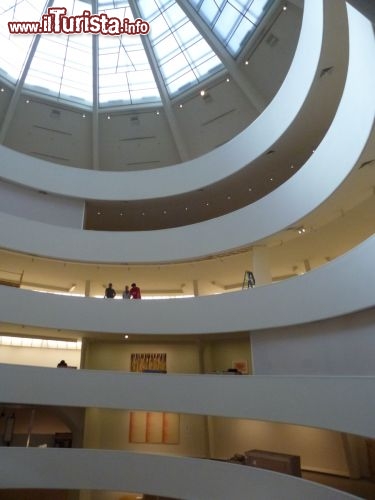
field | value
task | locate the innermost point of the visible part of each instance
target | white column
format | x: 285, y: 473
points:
x: 261, y: 266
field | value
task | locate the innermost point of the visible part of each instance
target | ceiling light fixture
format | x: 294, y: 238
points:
x: 126, y: 336
x: 202, y: 92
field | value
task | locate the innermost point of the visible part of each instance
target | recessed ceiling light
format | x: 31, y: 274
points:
x: 180, y: 106
x: 143, y: 213
x: 229, y: 197
x: 250, y: 189
x: 186, y: 209
x: 228, y: 80
x: 207, y: 203
x: 126, y: 336
x: 246, y: 63
x: 108, y: 117
x: 98, y: 212
x: 121, y: 214
x: 158, y: 112
x: 202, y: 92
x: 271, y: 179
x: 291, y: 166
x: 164, y: 212
x: 27, y: 101
x: 83, y: 116
x: 285, y: 7
x: 2, y: 89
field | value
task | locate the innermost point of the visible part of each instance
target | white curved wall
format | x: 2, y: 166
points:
x: 285, y: 399
x: 326, y: 169
x: 195, y: 174
x: 343, y: 286
x: 187, y: 478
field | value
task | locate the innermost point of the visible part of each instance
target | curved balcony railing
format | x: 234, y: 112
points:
x: 286, y: 399
x: 343, y: 286
x: 173, y: 477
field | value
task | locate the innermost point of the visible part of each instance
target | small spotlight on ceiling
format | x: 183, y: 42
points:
x: 2, y: 89
x: 180, y: 106
x: 143, y: 214
x: 158, y: 112
x: 186, y: 209
x: 229, y: 197
x: 227, y: 80
x: 250, y: 189
x: 126, y: 336
x: 271, y: 179
x: 108, y: 117
x: 98, y: 212
x: 301, y: 230
x: 207, y: 203
x: 83, y: 116
x: 27, y: 101
x: 164, y: 212
x: 246, y: 63
x: 202, y: 92
x: 285, y: 7
x: 121, y: 214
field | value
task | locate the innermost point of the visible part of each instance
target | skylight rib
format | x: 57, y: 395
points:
x: 62, y: 64
x: 125, y: 75
x: 184, y: 57
x: 232, y: 21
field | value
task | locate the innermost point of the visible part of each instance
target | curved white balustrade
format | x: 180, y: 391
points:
x: 176, y: 477
x: 326, y: 169
x: 292, y: 400
x: 197, y: 173
x: 340, y: 287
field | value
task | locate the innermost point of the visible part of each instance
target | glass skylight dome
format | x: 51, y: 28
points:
x: 105, y: 71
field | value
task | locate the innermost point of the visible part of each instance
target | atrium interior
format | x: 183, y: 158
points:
x: 234, y: 139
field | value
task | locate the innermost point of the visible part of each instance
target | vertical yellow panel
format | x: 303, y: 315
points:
x: 137, y: 426
x: 154, y: 433
x: 171, y: 428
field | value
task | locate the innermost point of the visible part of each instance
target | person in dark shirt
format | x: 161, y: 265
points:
x: 109, y: 293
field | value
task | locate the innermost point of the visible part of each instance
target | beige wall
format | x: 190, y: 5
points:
x: 319, y: 449
x: 34, y: 356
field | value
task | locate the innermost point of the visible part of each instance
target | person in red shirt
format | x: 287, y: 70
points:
x: 135, y: 292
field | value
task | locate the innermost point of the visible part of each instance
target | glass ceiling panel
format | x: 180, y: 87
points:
x: 14, y: 48
x: 232, y: 21
x: 62, y: 64
x: 184, y: 57
x: 125, y: 75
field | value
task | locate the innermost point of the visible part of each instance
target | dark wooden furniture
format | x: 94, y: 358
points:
x: 277, y: 462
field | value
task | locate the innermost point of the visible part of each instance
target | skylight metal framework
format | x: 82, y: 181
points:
x: 232, y: 21
x: 62, y: 67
